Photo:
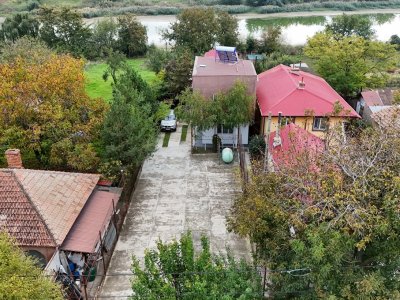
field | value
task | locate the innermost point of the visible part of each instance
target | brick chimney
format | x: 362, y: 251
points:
x: 302, y: 84
x: 14, y: 160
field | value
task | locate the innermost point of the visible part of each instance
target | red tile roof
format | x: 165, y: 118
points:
x: 277, y: 91
x: 211, y: 53
x: 372, y: 98
x: 294, y: 141
x: 18, y: 215
x: 58, y: 196
x: 94, y: 218
x: 388, y: 118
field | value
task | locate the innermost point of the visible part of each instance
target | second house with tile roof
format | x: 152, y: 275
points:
x: 57, y: 217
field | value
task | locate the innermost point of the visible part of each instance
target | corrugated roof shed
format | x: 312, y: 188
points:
x: 93, y: 219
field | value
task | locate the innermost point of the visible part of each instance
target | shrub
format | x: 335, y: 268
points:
x: 32, y: 5
x: 257, y: 146
x: 216, y: 140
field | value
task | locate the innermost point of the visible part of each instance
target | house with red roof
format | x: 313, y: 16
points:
x: 302, y: 98
x: 288, y: 144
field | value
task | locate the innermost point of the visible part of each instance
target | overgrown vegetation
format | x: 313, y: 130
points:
x: 175, y: 271
x: 326, y: 225
x: 20, y: 277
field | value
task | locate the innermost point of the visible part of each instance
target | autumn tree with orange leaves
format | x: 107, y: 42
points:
x: 47, y: 114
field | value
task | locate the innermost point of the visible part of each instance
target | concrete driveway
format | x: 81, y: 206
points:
x: 176, y: 192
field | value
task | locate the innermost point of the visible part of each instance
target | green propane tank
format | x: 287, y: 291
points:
x: 227, y: 155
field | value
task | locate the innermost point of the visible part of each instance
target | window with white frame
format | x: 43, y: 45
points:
x: 320, y: 123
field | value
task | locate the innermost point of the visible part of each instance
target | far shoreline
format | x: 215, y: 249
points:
x: 291, y: 14
x: 172, y: 18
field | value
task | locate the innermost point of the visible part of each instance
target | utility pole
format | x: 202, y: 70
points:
x: 266, y: 154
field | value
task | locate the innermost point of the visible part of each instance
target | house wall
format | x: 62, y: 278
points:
x: 303, y: 122
x: 46, y: 251
x: 212, y: 85
x: 205, y: 137
x: 367, y: 114
x: 53, y: 265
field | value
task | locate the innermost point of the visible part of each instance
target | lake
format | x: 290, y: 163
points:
x: 295, y: 30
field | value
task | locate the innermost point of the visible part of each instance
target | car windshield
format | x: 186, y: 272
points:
x: 170, y: 118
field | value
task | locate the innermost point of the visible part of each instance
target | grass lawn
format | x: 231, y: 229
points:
x: 184, y: 133
x: 166, y: 139
x: 96, y: 87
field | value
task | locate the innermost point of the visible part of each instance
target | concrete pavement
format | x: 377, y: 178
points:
x: 176, y: 192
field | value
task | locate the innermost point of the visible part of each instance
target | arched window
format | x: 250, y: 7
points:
x: 38, y: 257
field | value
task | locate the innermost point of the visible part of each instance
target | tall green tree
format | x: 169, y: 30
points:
x: 129, y: 133
x: 178, y: 72
x: 105, y: 37
x: 326, y: 224
x: 252, y: 44
x: 65, y: 31
x: 175, y: 271
x: 270, y: 40
x: 18, y: 26
x: 157, y: 58
x: 132, y: 36
x: 116, y: 62
x: 20, y: 278
x: 130, y: 83
x: 349, y: 25
x: 227, y: 33
x: 198, y: 29
x: 351, y: 63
